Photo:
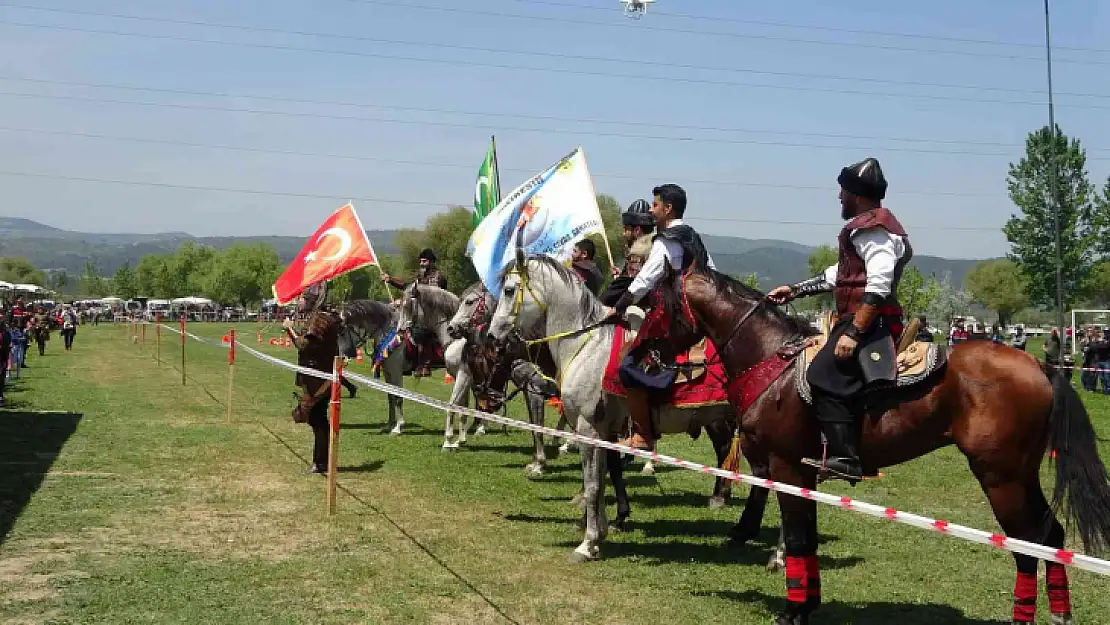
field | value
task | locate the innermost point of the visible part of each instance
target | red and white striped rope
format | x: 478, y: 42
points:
x: 970, y: 534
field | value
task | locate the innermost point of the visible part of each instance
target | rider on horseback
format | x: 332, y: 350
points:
x: 861, y: 348
x: 678, y: 244
x: 424, y: 338
x: 638, y: 227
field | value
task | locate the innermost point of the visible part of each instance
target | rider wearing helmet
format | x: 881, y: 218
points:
x: 639, y: 225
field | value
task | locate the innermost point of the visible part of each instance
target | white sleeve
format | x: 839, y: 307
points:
x: 880, y: 252
x: 709, y: 260
x: 650, y: 273
x: 830, y: 274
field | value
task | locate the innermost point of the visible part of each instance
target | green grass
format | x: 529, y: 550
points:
x: 146, y: 506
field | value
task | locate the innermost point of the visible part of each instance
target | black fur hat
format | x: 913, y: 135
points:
x: 865, y: 179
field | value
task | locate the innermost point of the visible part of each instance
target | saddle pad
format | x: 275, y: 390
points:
x: 705, y: 386
x: 915, y: 364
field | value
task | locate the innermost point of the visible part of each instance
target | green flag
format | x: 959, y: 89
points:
x: 486, y: 191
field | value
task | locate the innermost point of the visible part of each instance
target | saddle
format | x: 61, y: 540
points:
x: 917, y: 361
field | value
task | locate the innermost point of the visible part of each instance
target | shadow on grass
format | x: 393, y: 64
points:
x: 365, y: 467
x: 878, y: 613
x: 29, y: 444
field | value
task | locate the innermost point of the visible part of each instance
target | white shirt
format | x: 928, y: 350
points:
x: 661, y: 250
x: 880, y: 251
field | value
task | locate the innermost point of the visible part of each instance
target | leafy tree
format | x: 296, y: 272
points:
x: 1000, y: 286
x: 92, y: 282
x: 157, y: 276
x: 20, y: 271
x: 1032, y: 235
x: 446, y: 233
x: 125, y: 282
x: 916, y: 292
x: 190, y: 264
x: 947, y: 303
x: 241, y: 274
x: 59, y: 280
x: 821, y: 259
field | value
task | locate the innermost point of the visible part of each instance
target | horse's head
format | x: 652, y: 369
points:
x: 409, y: 311
x: 520, y: 304
x: 475, y: 308
x: 426, y: 306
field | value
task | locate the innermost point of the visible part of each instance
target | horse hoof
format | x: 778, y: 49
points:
x: 776, y: 563
x: 396, y: 431
x: 740, y: 536
x: 618, y: 525
x: 481, y: 431
x: 576, y: 500
x: 578, y: 556
x: 649, y: 469
x: 533, y: 470
x: 716, y: 503
x: 450, y: 447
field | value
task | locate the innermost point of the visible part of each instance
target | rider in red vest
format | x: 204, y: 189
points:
x: 873, y: 250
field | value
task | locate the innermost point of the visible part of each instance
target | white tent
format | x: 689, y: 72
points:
x: 29, y: 288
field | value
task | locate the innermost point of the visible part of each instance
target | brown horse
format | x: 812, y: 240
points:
x: 995, y: 403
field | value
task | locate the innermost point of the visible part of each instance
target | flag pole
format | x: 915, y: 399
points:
x: 496, y: 167
x: 593, y: 192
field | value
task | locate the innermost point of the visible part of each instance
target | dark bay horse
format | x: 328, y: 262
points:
x: 995, y: 403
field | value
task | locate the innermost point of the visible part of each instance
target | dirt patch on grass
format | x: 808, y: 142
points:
x: 34, y: 577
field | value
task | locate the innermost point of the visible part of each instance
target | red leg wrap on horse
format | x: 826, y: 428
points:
x: 795, y: 579
x: 1059, y: 597
x: 813, y: 577
x: 1025, y: 597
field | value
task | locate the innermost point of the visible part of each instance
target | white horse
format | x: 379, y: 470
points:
x: 487, y: 374
x: 541, y: 295
x: 366, y: 323
x: 433, y: 308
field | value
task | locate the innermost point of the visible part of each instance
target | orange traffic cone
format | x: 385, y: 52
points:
x: 447, y: 379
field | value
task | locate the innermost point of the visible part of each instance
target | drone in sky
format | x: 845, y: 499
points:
x: 636, y: 8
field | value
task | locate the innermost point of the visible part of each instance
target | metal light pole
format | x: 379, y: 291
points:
x: 1053, y: 185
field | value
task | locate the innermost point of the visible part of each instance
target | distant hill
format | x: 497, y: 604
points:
x: 53, y: 249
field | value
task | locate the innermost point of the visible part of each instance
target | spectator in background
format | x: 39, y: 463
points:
x: 996, y: 334
x: 1089, y: 377
x: 5, y: 354
x: 923, y: 333
x: 1019, y: 339
x: 17, y: 341
x: 69, y: 326
x: 1102, y: 359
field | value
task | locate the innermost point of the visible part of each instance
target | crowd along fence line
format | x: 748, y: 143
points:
x: 998, y: 541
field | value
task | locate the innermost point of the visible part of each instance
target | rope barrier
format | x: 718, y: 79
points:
x: 998, y: 541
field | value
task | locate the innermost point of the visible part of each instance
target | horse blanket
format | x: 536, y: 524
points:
x: 699, y: 386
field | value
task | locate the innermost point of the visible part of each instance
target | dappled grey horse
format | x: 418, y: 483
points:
x: 541, y: 298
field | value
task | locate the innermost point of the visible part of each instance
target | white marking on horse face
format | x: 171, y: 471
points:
x: 501, y: 323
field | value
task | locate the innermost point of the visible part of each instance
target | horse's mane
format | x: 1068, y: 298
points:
x: 476, y: 287
x: 726, y: 285
x: 368, y: 314
x: 437, y: 298
x: 588, y: 304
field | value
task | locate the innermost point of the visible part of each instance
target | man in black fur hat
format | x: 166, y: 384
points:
x: 675, y: 243
x: 873, y: 250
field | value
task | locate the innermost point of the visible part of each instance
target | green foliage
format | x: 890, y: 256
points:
x: 1000, y: 286
x: 125, y: 283
x: 821, y: 259
x: 20, y: 271
x: 916, y: 292
x: 1032, y: 234
x: 242, y: 274
x: 92, y: 282
x: 948, y: 302
x: 447, y: 234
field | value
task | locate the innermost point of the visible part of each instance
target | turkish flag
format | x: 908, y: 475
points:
x: 339, y: 245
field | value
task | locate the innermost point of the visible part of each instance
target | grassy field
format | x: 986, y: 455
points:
x: 126, y: 497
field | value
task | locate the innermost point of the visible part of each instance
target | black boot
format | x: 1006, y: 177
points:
x: 842, y: 461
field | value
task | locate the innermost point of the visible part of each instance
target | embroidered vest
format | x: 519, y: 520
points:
x: 693, y: 250
x: 851, y: 274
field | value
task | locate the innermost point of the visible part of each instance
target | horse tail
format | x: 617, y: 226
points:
x: 1080, y: 473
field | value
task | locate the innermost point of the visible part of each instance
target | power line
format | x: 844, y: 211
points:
x: 377, y: 159
x: 166, y: 185
x: 503, y: 128
x: 577, y: 120
x: 851, y: 31
x: 703, y: 33
x: 544, y: 55
x: 559, y: 70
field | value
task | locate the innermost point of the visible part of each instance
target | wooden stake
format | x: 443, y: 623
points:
x: 158, y: 338
x: 230, y: 372
x: 333, y: 439
x: 143, y: 342
x: 182, y: 349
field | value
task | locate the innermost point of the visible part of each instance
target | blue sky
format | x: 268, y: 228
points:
x: 750, y: 145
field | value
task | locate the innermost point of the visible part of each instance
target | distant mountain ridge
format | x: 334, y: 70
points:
x: 55, y: 249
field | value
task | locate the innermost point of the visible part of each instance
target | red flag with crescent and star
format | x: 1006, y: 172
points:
x: 339, y: 245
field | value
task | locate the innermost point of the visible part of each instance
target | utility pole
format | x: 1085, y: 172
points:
x: 1053, y: 185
